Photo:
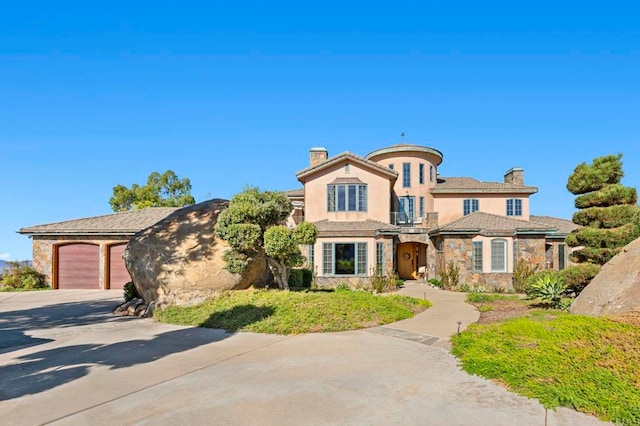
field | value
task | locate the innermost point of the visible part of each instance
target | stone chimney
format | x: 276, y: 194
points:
x: 317, y: 156
x: 514, y: 175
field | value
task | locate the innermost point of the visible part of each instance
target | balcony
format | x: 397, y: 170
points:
x: 407, y: 220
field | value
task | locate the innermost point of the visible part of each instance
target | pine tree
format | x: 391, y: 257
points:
x: 608, y: 215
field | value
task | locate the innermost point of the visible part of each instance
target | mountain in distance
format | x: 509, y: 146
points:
x: 5, y: 264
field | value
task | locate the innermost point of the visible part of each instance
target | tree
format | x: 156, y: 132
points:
x: 161, y: 190
x: 253, y: 226
x: 609, y: 218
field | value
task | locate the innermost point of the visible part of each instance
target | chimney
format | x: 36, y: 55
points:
x: 317, y: 156
x: 514, y: 175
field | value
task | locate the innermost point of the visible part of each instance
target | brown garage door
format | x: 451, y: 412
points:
x: 118, y: 275
x: 78, y: 266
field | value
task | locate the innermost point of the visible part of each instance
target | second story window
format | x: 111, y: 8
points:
x: 421, y: 174
x: 470, y: 205
x: 514, y: 207
x: 391, y: 166
x: 406, y: 175
x: 343, y: 198
x: 431, y: 173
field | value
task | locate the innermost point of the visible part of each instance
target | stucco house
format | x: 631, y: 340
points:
x: 87, y: 253
x: 391, y: 211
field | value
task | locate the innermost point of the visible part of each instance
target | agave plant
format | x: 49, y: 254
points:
x: 549, y: 288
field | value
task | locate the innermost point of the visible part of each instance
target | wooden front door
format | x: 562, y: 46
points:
x: 406, y: 260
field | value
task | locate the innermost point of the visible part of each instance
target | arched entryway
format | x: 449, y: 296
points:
x: 411, y: 257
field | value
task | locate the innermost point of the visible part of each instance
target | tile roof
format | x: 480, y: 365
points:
x: 128, y: 222
x: 563, y: 226
x: 294, y: 193
x: 469, y: 184
x: 353, y: 228
x: 346, y: 155
x: 480, y: 222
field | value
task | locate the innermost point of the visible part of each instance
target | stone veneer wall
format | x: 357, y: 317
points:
x: 43, y: 247
x: 532, y: 248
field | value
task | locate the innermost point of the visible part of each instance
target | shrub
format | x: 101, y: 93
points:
x: 381, y: 283
x: 606, y: 217
x: 435, y: 282
x: 533, y: 279
x: 307, y: 277
x: 296, y: 278
x: 521, y: 272
x: 342, y: 287
x: 19, y: 275
x: 450, y: 275
x: 577, y: 277
x: 550, y: 289
x: 608, y: 196
x: 130, y: 291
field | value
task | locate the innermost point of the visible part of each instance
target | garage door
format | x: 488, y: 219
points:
x: 118, y: 275
x: 78, y: 266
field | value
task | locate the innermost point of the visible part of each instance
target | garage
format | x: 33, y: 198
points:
x: 118, y: 274
x: 78, y: 266
x: 87, y: 253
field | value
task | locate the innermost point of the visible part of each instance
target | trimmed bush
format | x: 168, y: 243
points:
x: 608, y: 196
x: 594, y: 255
x: 603, y: 171
x: 19, y: 275
x: 577, y: 277
x: 607, y: 217
x: 295, y: 278
x: 307, y: 277
x: 604, y: 238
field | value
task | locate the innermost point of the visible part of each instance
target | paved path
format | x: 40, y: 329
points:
x: 67, y: 361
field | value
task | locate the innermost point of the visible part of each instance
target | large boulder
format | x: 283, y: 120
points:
x: 616, y: 289
x: 179, y: 260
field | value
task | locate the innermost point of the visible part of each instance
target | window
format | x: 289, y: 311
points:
x: 344, y: 258
x: 476, y: 256
x: 379, y: 257
x: 352, y: 198
x: 421, y: 175
x: 514, y: 207
x: 406, y: 175
x: 561, y: 257
x: 421, y: 208
x: 346, y: 168
x: 431, y: 173
x: 470, y: 205
x: 391, y: 166
x: 498, y: 255
x: 407, y: 209
x: 515, y: 251
x: 311, y: 255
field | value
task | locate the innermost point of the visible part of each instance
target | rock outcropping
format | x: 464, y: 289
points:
x: 616, y: 289
x: 179, y: 260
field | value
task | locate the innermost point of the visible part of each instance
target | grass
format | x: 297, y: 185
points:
x: 588, y: 364
x: 286, y: 312
x: 489, y: 297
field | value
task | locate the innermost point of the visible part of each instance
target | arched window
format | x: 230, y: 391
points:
x: 498, y: 255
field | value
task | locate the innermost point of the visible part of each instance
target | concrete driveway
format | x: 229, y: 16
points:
x: 65, y: 360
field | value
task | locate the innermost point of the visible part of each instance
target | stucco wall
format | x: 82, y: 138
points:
x: 44, y: 246
x: 378, y: 194
x: 450, y: 206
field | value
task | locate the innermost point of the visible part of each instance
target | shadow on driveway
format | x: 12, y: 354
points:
x: 39, y: 371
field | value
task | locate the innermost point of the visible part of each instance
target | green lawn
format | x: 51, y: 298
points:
x: 290, y: 312
x: 588, y: 364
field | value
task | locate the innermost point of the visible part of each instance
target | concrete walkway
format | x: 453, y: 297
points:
x: 435, y: 325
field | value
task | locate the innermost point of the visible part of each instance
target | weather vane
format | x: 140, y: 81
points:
x: 402, y: 135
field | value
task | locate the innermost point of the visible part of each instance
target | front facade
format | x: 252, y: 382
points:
x: 391, y: 212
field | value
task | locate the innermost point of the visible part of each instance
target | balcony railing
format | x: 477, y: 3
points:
x: 412, y: 221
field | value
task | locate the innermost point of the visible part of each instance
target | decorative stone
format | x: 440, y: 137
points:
x: 179, y: 260
x: 616, y: 289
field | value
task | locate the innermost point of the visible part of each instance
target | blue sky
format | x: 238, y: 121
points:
x: 94, y: 95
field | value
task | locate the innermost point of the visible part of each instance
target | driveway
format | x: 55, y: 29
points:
x: 65, y: 360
